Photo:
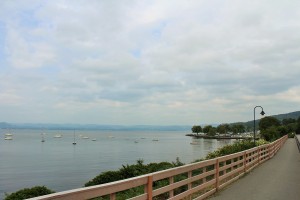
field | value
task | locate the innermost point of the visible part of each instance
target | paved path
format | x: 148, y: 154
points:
x: 276, y: 179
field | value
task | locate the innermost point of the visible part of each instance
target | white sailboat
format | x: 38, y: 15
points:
x: 8, y: 136
x: 58, y: 136
x: 74, y: 142
x: 43, y: 139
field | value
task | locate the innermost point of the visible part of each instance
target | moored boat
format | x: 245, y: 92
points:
x: 58, y: 136
x: 8, y: 138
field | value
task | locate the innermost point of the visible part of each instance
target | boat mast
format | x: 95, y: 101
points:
x: 74, y: 138
x: 43, y: 140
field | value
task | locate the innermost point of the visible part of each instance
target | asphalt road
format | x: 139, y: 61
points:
x: 276, y: 179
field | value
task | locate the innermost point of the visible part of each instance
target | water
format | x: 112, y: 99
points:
x: 25, y: 161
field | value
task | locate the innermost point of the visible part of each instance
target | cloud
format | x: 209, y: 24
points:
x: 290, y: 95
x: 141, y: 62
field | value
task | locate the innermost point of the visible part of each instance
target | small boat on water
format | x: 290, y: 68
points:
x: 85, y: 137
x: 155, y: 140
x: 58, y: 136
x: 94, y: 139
x: 194, y: 143
x: 8, y: 138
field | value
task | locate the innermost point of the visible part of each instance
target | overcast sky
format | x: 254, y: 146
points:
x: 148, y: 62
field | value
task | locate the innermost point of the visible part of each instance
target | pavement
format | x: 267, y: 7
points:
x: 276, y: 179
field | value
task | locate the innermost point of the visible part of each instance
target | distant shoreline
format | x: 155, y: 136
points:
x: 217, y: 137
x: 5, y: 125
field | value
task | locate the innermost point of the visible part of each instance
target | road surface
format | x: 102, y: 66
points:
x: 276, y: 179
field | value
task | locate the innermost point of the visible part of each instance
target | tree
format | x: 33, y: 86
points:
x: 223, y: 128
x: 298, y: 120
x: 238, y: 128
x: 291, y: 127
x: 206, y: 128
x: 268, y: 122
x: 298, y: 129
x: 196, y: 129
x: 282, y: 130
x: 212, y: 131
x: 288, y: 121
x: 298, y: 126
x: 227, y: 128
x: 270, y: 134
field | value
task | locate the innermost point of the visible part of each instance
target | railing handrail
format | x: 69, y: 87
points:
x: 297, y: 141
x: 225, y: 170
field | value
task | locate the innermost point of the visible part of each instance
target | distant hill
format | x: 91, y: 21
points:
x: 4, y: 125
x: 293, y: 115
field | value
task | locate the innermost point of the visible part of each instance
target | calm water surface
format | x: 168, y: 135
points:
x: 26, y: 162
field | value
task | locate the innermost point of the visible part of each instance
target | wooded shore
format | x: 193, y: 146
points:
x: 217, y: 136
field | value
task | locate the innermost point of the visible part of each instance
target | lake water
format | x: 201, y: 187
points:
x: 25, y: 161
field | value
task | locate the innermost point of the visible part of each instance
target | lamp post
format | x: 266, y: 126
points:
x: 262, y: 113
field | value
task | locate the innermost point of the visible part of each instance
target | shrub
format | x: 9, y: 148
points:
x: 261, y: 142
x: 230, y: 149
x: 105, y: 177
x: 129, y: 171
x: 29, y: 193
x: 270, y: 134
x: 234, y: 148
x: 291, y: 135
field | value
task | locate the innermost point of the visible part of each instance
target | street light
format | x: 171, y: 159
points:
x: 262, y: 113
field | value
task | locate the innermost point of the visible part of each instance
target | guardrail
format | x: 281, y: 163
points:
x: 297, y: 141
x: 193, y: 181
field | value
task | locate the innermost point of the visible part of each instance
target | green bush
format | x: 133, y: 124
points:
x: 261, y: 142
x: 105, y: 177
x: 291, y: 135
x: 271, y: 134
x: 29, y: 193
x: 230, y: 149
x: 129, y: 171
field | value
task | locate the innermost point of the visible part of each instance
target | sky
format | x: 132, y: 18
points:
x: 148, y: 62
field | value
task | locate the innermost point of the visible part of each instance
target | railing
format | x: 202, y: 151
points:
x: 193, y: 181
x: 297, y: 141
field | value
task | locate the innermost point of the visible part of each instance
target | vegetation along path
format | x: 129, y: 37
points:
x: 276, y: 179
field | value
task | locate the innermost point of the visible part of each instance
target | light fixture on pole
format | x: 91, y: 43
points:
x: 262, y: 113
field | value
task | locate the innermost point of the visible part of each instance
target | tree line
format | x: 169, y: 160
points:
x: 270, y: 128
x: 221, y: 129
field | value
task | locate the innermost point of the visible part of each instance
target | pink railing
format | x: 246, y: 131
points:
x: 197, y: 181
